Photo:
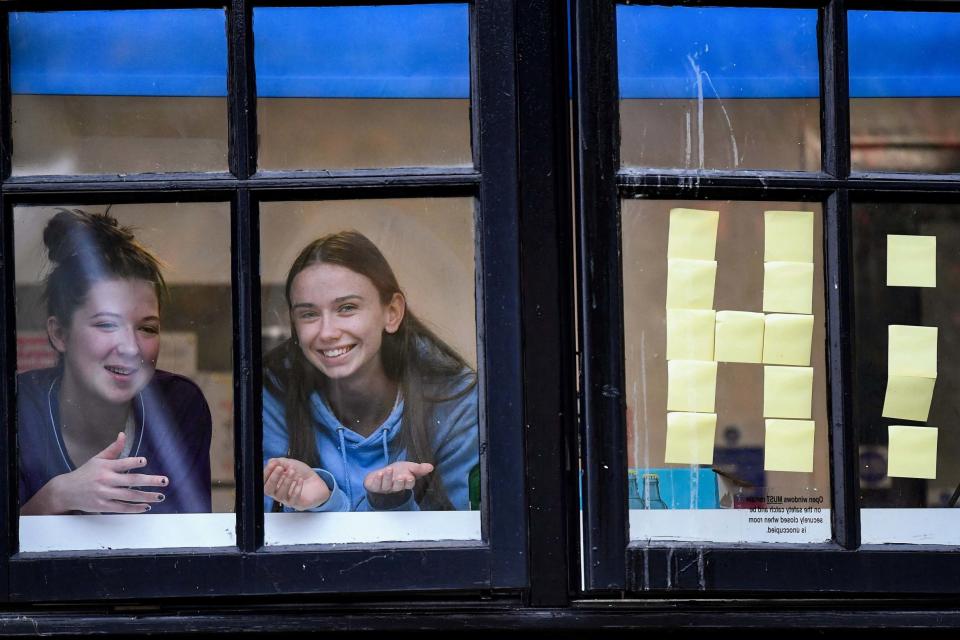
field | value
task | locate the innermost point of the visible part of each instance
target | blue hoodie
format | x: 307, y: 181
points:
x: 348, y: 457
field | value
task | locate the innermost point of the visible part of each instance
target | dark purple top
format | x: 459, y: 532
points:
x: 172, y: 431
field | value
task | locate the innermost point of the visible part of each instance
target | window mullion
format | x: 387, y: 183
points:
x: 835, y: 89
x: 9, y: 516
x: 547, y: 273
x: 835, y: 115
x: 244, y: 264
x: 844, y: 440
x: 596, y: 131
x: 245, y: 261
x: 6, y: 137
x: 241, y: 90
x: 493, y: 100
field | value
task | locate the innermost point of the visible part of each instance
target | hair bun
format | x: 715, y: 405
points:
x: 73, y: 232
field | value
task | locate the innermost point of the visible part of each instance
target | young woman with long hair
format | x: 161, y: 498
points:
x: 364, y: 408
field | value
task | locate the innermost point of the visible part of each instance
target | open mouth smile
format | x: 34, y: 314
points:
x: 336, y: 353
x: 120, y: 371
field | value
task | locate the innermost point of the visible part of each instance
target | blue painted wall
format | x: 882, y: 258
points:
x: 422, y: 51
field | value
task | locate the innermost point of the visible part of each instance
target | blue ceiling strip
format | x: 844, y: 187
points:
x: 141, y: 53
x: 904, y: 54
x: 419, y: 51
x: 687, y: 52
x: 422, y: 51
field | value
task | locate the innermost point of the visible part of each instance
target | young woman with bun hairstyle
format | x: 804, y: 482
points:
x: 104, y: 431
x: 364, y: 408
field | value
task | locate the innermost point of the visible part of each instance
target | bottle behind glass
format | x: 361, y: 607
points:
x: 650, y: 492
x: 473, y: 484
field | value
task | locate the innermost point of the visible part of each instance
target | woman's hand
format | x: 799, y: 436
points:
x: 101, y: 485
x: 396, y: 477
x: 294, y: 484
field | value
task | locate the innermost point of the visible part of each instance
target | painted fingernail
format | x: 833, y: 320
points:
x: 163, y: 481
x: 161, y: 497
x: 148, y: 508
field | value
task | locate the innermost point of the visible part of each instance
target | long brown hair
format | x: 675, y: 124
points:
x: 413, y: 356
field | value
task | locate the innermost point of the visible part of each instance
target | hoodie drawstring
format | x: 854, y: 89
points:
x: 386, y: 451
x: 343, y: 460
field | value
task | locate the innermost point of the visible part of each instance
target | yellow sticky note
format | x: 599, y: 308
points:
x: 788, y: 287
x: 693, y: 234
x: 690, y: 438
x: 690, y: 334
x: 739, y: 336
x: 912, y: 452
x: 787, y: 339
x: 787, y: 392
x: 788, y: 236
x: 691, y: 385
x: 908, y: 398
x: 912, y: 351
x: 911, y: 261
x: 788, y: 446
x: 690, y: 283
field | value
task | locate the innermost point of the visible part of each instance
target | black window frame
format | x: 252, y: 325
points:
x: 540, y: 587
x: 499, y: 562
x: 612, y: 564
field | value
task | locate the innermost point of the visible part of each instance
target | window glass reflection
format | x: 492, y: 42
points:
x: 906, y: 346
x: 718, y: 88
x: 905, y: 91
x: 123, y: 404
x: 363, y: 87
x: 119, y: 91
x: 725, y: 371
x: 370, y: 386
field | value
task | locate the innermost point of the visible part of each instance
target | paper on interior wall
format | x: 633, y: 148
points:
x: 739, y: 336
x: 912, y: 351
x: 908, y: 397
x: 788, y: 287
x: 912, y: 452
x: 787, y: 392
x: 691, y: 386
x: 911, y: 261
x: 178, y: 352
x: 788, y: 236
x: 690, y: 334
x: 690, y: 283
x: 693, y: 234
x: 690, y: 438
x: 788, y: 445
x: 787, y: 339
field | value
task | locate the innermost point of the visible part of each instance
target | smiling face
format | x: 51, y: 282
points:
x: 339, y: 321
x: 111, y: 345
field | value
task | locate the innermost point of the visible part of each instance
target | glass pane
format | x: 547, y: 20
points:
x: 725, y: 371
x: 103, y: 349
x: 905, y: 91
x: 119, y: 91
x: 718, y: 88
x: 368, y: 408
x: 363, y: 87
x: 906, y: 346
